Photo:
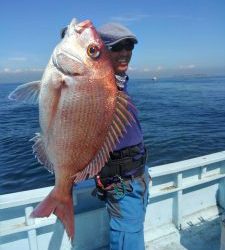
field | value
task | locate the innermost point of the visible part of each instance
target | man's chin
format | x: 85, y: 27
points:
x: 122, y: 68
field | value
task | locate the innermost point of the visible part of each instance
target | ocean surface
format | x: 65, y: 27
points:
x: 181, y: 118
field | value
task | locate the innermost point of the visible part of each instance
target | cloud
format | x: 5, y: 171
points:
x: 129, y: 18
x: 5, y: 70
x: 17, y: 59
x: 159, y: 68
x: 134, y: 69
x: 131, y: 68
x: 180, y: 17
x: 190, y: 66
x: 15, y: 71
x: 19, y: 75
x: 146, y: 70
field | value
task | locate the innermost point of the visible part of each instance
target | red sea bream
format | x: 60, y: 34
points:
x: 82, y: 116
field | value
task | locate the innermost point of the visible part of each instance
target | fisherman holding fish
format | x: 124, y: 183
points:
x: 89, y: 129
x: 123, y: 181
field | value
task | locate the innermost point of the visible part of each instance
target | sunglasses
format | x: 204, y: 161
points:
x: 120, y: 46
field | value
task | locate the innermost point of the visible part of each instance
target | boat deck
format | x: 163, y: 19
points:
x: 203, y: 236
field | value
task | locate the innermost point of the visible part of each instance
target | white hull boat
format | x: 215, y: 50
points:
x: 185, y: 211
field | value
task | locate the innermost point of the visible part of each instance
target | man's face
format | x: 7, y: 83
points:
x: 120, y: 55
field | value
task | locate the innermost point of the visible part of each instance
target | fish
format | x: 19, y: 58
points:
x: 82, y: 116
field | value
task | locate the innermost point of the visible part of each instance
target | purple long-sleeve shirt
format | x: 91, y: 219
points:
x: 134, y: 134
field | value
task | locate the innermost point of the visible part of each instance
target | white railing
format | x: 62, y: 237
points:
x: 187, y: 175
x: 199, y: 182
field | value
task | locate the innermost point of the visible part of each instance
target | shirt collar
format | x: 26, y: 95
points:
x: 121, y: 81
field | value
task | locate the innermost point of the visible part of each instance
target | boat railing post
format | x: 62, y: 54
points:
x: 32, y: 236
x: 222, y: 193
x: 177, y: 213
x: 150, y: 186
x: 221, y: 198
x: 222, y: 238
x: 203, y: 171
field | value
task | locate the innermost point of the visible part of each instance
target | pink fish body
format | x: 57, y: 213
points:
x: 82, y: 116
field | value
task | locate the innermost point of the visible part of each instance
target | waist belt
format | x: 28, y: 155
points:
x: 128, y: 162
x: 128, y: 152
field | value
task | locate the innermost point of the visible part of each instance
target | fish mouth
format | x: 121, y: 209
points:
x: 58, y: 55
x: 80, y: 27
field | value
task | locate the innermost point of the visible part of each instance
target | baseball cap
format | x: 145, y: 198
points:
x: 112, y: 33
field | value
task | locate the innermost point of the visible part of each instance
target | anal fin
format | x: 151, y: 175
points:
x: 39, y: 150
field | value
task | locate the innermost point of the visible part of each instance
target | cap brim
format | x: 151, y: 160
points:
x: 123, y: 38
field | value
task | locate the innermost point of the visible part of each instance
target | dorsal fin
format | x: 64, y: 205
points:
x: 122, y: 117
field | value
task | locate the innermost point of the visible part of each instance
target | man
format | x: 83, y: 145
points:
x: 123, y: 181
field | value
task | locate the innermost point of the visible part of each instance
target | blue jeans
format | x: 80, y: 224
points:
x: 126, y: 205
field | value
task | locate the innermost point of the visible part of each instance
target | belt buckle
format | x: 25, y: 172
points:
x: 125, y: 153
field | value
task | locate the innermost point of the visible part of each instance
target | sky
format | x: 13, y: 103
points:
x: 175, y: 37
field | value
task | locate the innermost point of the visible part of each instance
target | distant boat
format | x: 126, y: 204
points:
x: 154, y: 78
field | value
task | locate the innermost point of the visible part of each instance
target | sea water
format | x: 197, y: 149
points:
x: 181, y: 118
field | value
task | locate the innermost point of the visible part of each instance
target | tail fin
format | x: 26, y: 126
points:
x: 62, y: 207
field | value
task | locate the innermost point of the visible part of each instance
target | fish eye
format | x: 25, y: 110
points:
x: 93, y: 51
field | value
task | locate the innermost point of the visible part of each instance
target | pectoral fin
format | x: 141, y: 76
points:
x: 28, y: 92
